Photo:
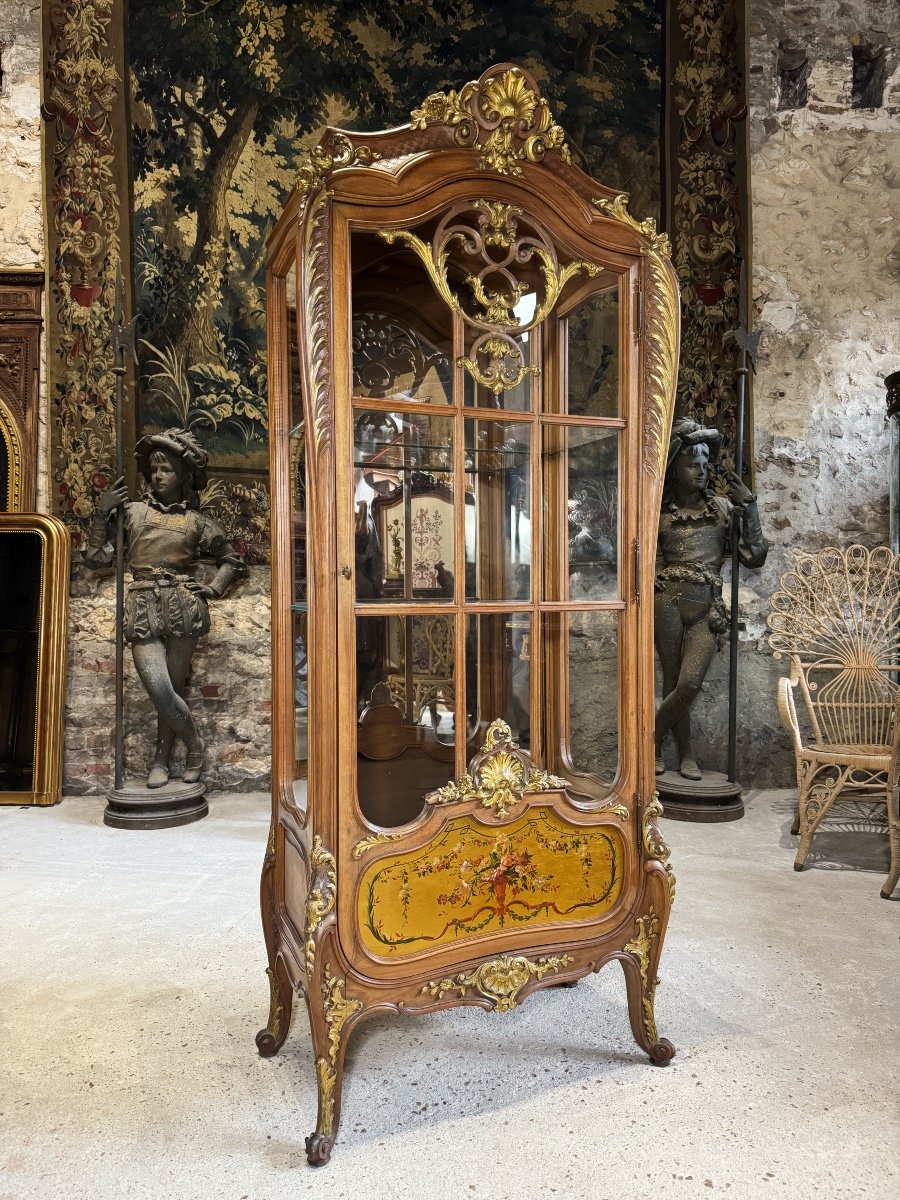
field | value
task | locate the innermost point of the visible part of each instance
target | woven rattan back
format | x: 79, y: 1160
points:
x: 837, y: 615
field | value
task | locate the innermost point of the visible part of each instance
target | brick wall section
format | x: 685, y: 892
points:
x: 229, y: 690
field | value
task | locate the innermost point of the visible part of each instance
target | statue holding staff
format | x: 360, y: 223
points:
x: 695, y: 531
x: 166, y: 609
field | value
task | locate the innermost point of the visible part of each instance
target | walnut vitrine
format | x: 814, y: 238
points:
x: 472, y: 361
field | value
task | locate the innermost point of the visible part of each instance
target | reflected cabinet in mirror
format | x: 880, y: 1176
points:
x: 34, y: 599
x: 472, y: 351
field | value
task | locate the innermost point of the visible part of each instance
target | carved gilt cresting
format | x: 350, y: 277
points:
x: 501, y: 117
x: 491, y: 244
x: 499, y: 777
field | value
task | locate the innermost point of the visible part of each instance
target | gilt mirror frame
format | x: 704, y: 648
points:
x: 50, y: 667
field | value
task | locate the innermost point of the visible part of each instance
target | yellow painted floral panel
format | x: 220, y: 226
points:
x: 474, y: 879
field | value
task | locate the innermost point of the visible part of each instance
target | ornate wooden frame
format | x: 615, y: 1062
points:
x: 21, y: 293
x: 495, y: 138
x: 53, y: 633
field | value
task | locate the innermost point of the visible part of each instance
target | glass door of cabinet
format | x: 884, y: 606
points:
x: 482, y: 531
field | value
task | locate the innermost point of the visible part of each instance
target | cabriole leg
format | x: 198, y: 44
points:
x: 640, y: 980
x: 330, y: 1020
x: 281, y: 1000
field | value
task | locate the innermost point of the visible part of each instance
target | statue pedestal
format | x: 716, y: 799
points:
x: 136, y: 807
x: 712, y: 798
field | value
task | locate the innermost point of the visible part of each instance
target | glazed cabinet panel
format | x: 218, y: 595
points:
x: 472, y: 356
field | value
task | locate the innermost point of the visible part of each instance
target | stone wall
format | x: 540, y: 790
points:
x: 826, y: 285
x: 22, y: 222
x: 228, y: 691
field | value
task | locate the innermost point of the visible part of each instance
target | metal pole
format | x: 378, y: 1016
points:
x: 748, y: 345
x: 122, y: 341
x: 736, y: 569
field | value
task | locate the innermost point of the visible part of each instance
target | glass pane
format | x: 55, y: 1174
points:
x: 402, y: 331
x: 297, y: 451
x: 21, y: 568
x: 498, y: 523
x: 392, y: 358
x: 581, y: 480
x: 405, y: 680
x: 592, y: 356
x: 298, y: 488
x: 498, y: 674
x: 301, y: 688
x: 516, y: 354
x: 593, y: 655
x: 403, y: 500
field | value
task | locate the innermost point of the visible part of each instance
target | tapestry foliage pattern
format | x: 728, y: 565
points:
x: 221, y: 96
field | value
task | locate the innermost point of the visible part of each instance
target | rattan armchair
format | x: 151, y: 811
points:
x: 836, y: 617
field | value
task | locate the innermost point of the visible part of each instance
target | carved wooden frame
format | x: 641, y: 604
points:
x: 21, y: 294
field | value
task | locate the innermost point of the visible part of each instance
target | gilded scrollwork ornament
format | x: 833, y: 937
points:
x: 641, y: 947
x: 338, y: 1011
x: 334, y: 151
x: 375, y: 839
x: 499, y: 777
x: 317, y: 341
x: 655, y: 846
x: 499, y: 980
x: 661, y: 314
x: 501, y: 116
x: 496, y: 244
x: 320, y: 898
x: 660, y: 360
x: 617, y: 208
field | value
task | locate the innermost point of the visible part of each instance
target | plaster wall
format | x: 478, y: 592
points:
x: 826, y: 288
x: 21, y: 217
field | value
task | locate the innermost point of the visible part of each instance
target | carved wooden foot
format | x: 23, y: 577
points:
x: 661, y: 1052
x: 281, y: 998
x: 318, y: 1149
x: 640, y: 980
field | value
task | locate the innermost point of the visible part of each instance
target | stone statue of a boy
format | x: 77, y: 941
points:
x: 695, y: 531
x: 165, y: 606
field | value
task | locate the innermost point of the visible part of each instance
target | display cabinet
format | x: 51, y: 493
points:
x: 472, y: 353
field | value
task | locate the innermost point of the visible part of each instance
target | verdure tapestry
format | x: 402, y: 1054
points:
x: 176, y: 131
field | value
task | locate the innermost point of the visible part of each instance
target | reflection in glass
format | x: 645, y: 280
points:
x: 592, y: 353
x: 498, y: 673
x: 20, y: 571
x: 498, y: 526
x: 298, y: 540
x: 593, y: 657
x: 515, y: 399
x: 589, y: 457
x: 405, y: 681
x: 392, y: 359
x: 403, y: 500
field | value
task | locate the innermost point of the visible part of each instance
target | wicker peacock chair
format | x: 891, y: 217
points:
x: 837, y: 618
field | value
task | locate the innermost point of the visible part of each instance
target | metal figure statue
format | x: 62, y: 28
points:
x: 166, y: 609
x: 695, y: 532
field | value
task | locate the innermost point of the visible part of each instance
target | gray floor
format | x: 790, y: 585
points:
x: 132, y: 986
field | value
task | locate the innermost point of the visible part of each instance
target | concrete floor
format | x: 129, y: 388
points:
x: 132, y: 986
